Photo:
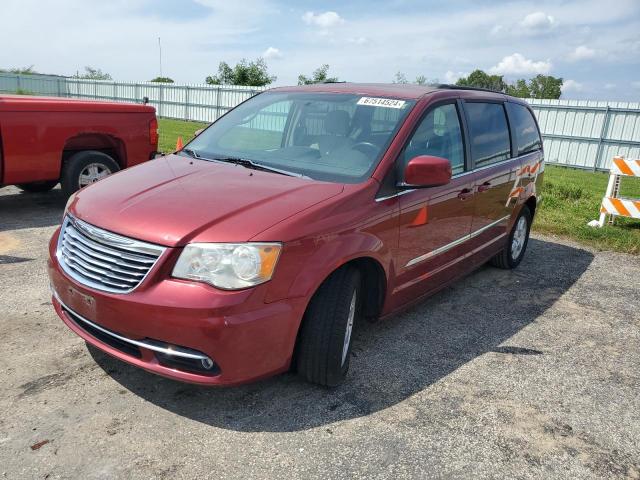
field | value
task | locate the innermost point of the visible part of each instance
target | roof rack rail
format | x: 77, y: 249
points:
x: 334, y: 81
x: 461, y: 87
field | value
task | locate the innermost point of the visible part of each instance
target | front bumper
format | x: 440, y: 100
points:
x: 168, y: 326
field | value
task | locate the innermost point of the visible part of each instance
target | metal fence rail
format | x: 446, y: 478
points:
x: 582, y: 134
x: 588, y: 134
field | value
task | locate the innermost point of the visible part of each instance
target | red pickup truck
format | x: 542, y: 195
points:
x: 46, y: 140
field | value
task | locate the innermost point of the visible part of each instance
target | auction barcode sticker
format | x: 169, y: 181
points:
x: 381, y: 102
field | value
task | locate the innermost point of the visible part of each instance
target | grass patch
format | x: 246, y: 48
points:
x: 572, y: 198
x: 170, y: 130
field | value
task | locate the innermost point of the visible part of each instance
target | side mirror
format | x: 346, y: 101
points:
x: 427, y: 171
x: 198, y: 132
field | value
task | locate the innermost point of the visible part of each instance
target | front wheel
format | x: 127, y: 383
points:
x: 512, y: 254
x: 324, y: 344
x: 85, y: 168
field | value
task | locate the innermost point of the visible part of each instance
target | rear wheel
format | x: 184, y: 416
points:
x: 324, y: 344
x: 37, y: 187
x: 85, y: 168
x: 513, y: 253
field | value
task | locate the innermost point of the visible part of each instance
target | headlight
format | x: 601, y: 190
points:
x: 229, y: 266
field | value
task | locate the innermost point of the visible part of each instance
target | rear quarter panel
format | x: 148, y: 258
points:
x: 33, y: 141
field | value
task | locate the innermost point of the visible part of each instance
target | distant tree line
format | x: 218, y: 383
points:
x: 540, y: 86
x: 256, y: 74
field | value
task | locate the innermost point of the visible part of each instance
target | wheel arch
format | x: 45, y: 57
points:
x: 108, y: 144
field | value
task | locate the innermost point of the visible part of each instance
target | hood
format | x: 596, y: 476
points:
x: 175, y: 200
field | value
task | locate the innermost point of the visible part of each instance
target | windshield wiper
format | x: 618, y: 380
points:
x: 245, y: 162
x: 191, y: 153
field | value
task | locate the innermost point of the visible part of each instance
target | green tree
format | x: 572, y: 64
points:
x: 162, y: 80
x: 545, y: 86
x: 91, y: 73
x: 252, y: 74
x: 320, y: 75
x: 519, y: 89
x: 421, y: 80
x: 400, y: 78
x: 20, y: 70
x: 481, y: 79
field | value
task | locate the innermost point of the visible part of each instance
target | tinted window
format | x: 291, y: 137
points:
x: 439, y: 134
x: 489, y: 133
x: 526, y: 131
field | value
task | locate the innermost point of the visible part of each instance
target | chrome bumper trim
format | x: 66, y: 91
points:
x: 176, y: 351
x: 455, y: 243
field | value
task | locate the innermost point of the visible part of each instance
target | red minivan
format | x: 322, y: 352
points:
x: 302, y: 211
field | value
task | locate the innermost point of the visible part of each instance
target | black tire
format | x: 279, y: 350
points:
x: 324, y: 329
x: 37, y: 187
x: 75, y: 164
x: 505, y: 259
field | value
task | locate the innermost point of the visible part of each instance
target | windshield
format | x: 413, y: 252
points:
x: 323, y: 136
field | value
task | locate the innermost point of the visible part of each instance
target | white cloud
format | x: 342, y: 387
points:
x: 358, y: 40
x: 272, y: 53
x: 452, y: 77
x: 582, y: 52
x: 538, y: 22
x: 517, y: 64
x: 571, y: 86
x: 323, y: 20
x: 609, y: 86
x: 497, y: 30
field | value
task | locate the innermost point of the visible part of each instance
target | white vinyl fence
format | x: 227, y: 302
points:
x: 581, y: 134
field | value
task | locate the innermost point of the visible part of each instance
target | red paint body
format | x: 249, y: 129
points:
x: 38, y: 133
x: 251, y: 333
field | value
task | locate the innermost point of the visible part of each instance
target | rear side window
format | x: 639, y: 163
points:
x: 524, y: 126
x: 489, y: 133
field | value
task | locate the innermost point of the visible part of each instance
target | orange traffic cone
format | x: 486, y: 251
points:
x: 179, y: 144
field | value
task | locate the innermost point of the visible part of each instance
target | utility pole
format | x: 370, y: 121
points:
x: 160, y: 50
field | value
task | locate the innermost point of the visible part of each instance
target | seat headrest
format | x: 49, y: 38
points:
x: 337, y: 122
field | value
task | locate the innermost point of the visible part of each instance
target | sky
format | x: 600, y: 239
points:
x: 594, y: 45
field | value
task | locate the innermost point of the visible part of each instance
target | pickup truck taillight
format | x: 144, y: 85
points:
x: 153, y: 132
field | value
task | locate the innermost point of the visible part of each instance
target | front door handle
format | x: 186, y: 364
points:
x: 465, y: 193
x: 484, y: 187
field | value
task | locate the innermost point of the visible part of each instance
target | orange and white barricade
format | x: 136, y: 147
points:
x: 612, y: 205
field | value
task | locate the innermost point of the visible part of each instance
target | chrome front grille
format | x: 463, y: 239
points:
x: 103, y: 260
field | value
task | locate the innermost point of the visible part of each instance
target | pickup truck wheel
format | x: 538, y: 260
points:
x: 37, y: 187
x: 85, y: 168
x: 324, y: 344
x: 511, y: 256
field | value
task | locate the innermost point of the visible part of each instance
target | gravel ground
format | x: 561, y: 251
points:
x: 525, y: 374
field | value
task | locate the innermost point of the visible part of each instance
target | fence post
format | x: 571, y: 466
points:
x: 115, y: 91
x: 186, y: 102
x: 136, y: 92
x: 17, y: 83
x: 160, y: 100
x: 217, y: 103
x: 603, y: 131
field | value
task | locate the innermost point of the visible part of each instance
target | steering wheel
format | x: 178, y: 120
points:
x: 363, y: 146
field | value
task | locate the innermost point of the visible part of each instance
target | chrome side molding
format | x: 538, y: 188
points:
x: 455, y: 243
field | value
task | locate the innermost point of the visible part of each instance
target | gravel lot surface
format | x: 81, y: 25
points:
x: 527, y: 374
